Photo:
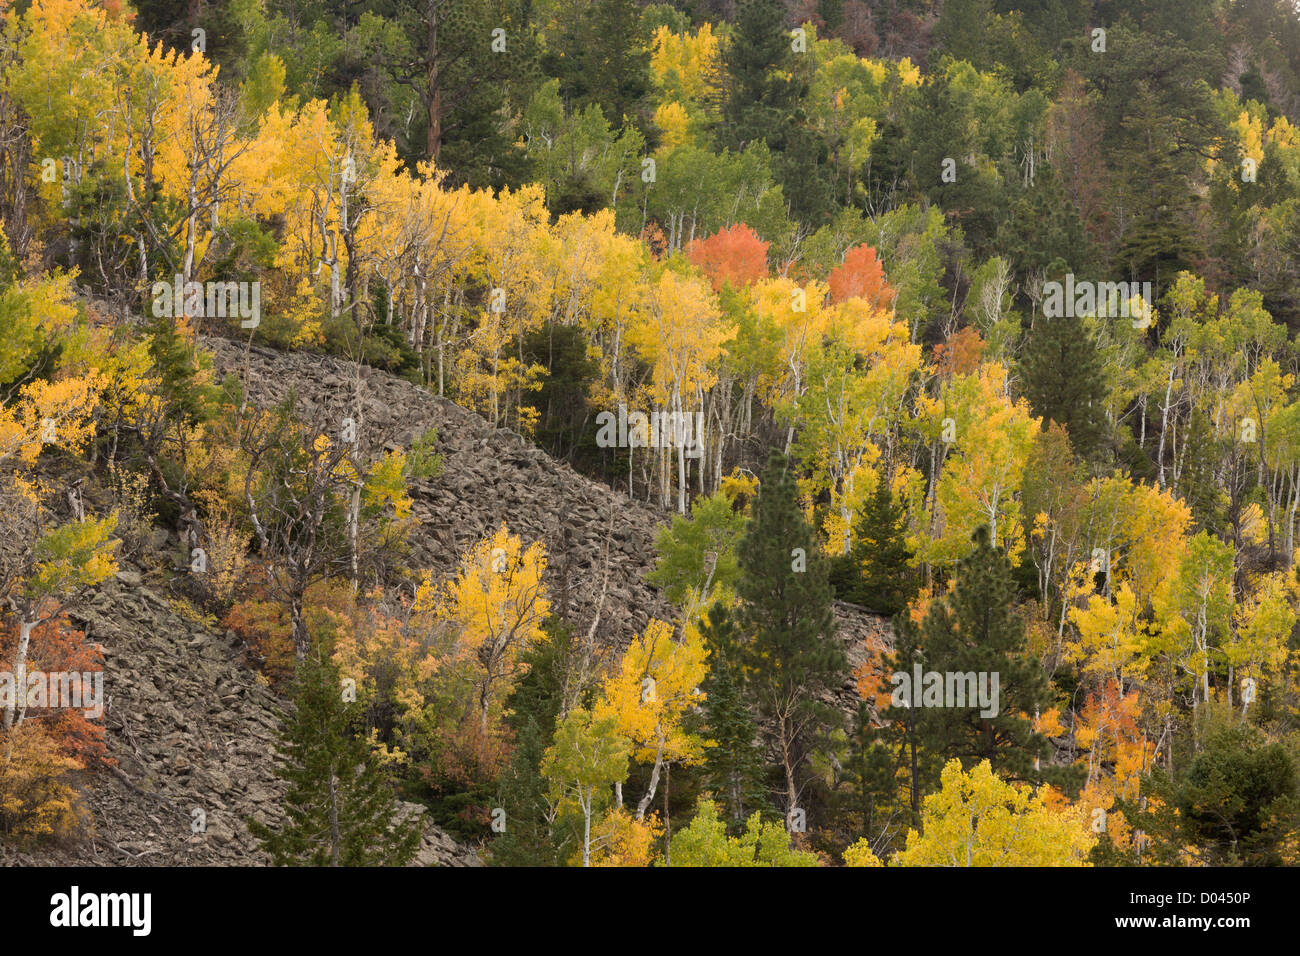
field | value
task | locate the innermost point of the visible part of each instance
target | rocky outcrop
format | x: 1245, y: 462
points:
x: 597, y: 538
x: 193, y: 731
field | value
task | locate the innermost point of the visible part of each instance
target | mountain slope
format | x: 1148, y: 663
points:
x: 193, y: 727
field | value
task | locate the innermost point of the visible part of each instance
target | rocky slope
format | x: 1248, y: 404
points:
x: 193, y: 731
x: 193, y: 728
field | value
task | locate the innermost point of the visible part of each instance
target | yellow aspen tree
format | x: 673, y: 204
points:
x: 681, y: 335
x: 37, y: 577
x: 857, y: 379
x: 497, y: 603
x: 976, y: 819
x: 649, y: 696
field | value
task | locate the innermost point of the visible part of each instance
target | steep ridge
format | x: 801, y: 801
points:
x: 193, y: 728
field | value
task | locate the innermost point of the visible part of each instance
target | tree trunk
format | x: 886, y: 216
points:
x: 434, y: 90
x: 15, y: 712
x: 649, y: 795
x: 335, y: 838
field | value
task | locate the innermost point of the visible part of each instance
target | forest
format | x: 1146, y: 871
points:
x: 942, y: 352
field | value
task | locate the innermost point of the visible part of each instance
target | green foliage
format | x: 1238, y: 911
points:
x: 602, y: 58
x: 1231, y: 803
x: 876, y: 573
x: 706, y: 843
x: 733, y: 765
x: 531, y: 837
x: 340, y: 804
x: 696, y: 561
x: 1064, y: 379
x: 790, y: 654
x: 422, y: 461
x: 975, y: 629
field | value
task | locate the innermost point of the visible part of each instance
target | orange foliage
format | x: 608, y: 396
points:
x: 265, y: 627
x: 734, y: 256
x: 961, y: 354
x: 1109, y: 731
x: 57, y: 648
x: 872, y: 681
x: 860, y: 276
x: 37, y: 799
x: 655, y: 239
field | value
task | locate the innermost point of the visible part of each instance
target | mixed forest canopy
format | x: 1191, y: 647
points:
x: 975, y: 316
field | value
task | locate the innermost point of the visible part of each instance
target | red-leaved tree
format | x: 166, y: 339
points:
x: 735, y: 256
x: 861, y: 276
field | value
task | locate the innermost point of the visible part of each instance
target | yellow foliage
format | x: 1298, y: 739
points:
x: 976, y: 819
x: 859, y: 854
x: 672, y: 121
x: 620, y: 839
x: 656, y: 685
x: 37, y: 799
x: 496, y: 605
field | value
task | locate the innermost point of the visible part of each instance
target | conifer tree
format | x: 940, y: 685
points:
x: 791, y: 654
x: 530, y: 837
x: 876, y: 573
x: 759, y: 93
x: 603, y: 58
x: 872, y: 802
x: 975, y: 629
x: 733, y: 766
x: 340, y: 803
x: 1064, y: 377
x: 902, y: 731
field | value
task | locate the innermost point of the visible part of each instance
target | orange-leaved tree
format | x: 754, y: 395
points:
x: 734, y: 256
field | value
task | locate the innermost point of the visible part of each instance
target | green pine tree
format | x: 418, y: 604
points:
x: 876, y: 573
x: 901, y: 732
x: 791, y: 655
x: 1236, y: 798
x: 1064, y: 376
x: 975, y: 628
x: 530, y: 837
x: 340, y: 803
x: 871, y: 804
x: 759, y: 94
x: 733, y: 768
x: 603, y: 58
x: 764, y: 81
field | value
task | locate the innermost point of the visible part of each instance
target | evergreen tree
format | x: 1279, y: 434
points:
x: 875, y: 573
x: 340, y: 803
x: 901, y: 732
x: 976, y: 629
x: 1237, y: 800
x: 791, y: 655
x: 763, y: 85
x: 530, y: 837
x: 870, y: 772
x: 1199, y: 483
x: 444, y: 51
x: 1042, y: 228
x: 759, y: 94
x: 733, y: 767
x: 603, y: 58
x: 1064, y: 376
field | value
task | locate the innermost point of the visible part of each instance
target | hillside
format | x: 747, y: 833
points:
x: 646, y: 433
x: 192, y: 725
